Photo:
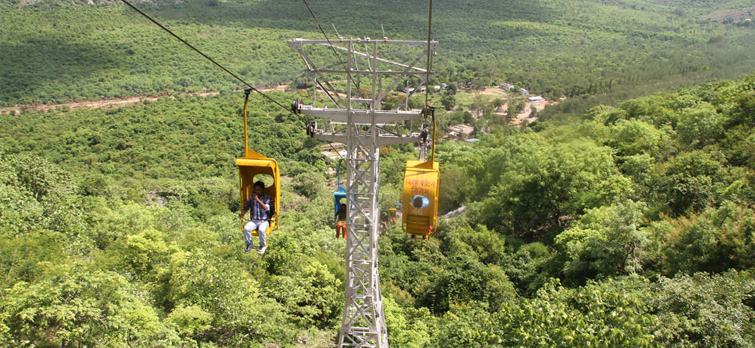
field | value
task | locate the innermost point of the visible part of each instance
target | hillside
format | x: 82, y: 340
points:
x: 53, y: 51
x: 620, y: 215
x: 629, y: 226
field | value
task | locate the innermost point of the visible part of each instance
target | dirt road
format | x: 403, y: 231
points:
x: 112, y: 103
x: 524, y: 116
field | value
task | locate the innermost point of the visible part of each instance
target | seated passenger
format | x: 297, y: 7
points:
x: 260, y: 205
x: 383, y: 222
x: 341, y: 224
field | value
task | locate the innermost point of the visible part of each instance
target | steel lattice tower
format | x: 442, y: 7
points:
x: 358, y: 121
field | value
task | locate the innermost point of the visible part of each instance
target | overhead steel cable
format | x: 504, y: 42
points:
x: 214, y: 62
x: 203, y: 55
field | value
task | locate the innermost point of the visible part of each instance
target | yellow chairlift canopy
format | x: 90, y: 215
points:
x: 420, y: 197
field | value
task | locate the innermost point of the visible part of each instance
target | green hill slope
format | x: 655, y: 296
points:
x: 54, y: 51
x: 630, y: 226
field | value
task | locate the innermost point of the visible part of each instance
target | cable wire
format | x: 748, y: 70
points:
x: 203, y: 55
x: 223, y: 68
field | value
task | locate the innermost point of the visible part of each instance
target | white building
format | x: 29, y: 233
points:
x: 535, y: 100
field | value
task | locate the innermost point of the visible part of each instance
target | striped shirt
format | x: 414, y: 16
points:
x: 258, y: 211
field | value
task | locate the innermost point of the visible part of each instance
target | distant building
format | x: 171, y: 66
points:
x: 461, y: 131
x: 535, y: 100
x: 437, y: 87
x: 333, y: 151
x: 524, y: 92
x: 506, y: 86
x: 331, y: 146
x: 444, y: 85
x: 409, y: 90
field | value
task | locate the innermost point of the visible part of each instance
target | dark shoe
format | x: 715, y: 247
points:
x: 248, y: 249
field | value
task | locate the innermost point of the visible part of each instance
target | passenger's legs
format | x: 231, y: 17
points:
x: 248, y: 228
x: 262, y: 231
x: 341, y: 225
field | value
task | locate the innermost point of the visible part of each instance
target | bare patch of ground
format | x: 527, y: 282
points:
x: 104, y: 103
x: 736, y: 15
x: 524, y: 115
x: 112, y: 103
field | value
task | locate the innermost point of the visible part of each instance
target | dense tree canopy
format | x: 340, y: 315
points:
x: 609, y: 221
x: 55, y: 50
x: 621, y: 227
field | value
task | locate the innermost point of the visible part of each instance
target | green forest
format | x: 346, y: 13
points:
x: 55, y: 51
x: 622, y: 217
x: 628, y: 226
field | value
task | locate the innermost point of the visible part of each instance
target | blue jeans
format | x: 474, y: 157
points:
x: 261, y: 227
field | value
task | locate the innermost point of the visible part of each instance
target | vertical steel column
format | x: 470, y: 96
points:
x: 363, y: 322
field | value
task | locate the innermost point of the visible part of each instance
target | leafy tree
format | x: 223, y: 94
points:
x: 705, y: 310
x: 78, y: 306
x: 407, y: 327
x: 716, y: 240
x: 190, y: 320
x: 690, y: 181
x: 632, y: 137
x: 448, y: 101
x: 37, y: 175
x: 19, y: 211
x: 605, y: 241
x: 700, y: 126
x: 144, y: 251
x: 309, y: 184
x: 465, y: 279
x: 480, y: 106
x: 452, y: 89
x: 536, y: 193
x: 613, y: 312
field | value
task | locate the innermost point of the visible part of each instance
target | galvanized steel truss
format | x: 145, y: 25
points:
x: 366, y: 129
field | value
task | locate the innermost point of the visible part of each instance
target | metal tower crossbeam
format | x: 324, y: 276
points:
x: 366, y: 129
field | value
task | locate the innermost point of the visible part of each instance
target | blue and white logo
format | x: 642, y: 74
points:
x: 420, y: 201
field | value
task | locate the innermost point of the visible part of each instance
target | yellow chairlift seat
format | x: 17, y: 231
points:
x: 253, y: 165
x: 420, y: 197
